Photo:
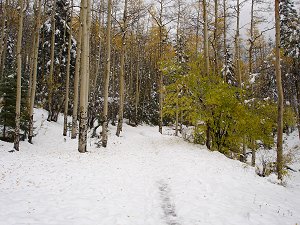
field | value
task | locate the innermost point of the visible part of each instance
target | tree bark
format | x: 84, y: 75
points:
x: 205, y: 33
x: 216, y: 28
x: 137, y: 89
x: 19, y: 75
x: 237, y: 45
x: 251, y: 38
x: 106, y: 80
x: 253, y: 158
x: 50, y: 80
x: 34, y: 72
x: 68, y: 76
x: 279, y: 165
x: 177, y: 111
x: 225, y: 36
x: 122, y: 72
x: 2, y: 34
x: 76, y: 83
x: 82, y: 142
x: 298, y: 105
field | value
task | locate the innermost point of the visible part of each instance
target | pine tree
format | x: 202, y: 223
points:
x: 290, y: 42
x: 8, y: 90
x: 289, y: 28
x: 228, y: 70
x: 62, y: 32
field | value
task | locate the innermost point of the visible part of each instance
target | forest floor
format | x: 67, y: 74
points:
x: 141, y: 178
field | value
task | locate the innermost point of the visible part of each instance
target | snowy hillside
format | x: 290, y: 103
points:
x: 141, y: 178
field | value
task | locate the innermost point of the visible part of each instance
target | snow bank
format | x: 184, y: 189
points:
x: 142, y: 178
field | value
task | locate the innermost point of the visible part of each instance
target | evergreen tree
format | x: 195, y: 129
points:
x: 228, y: 70
x: 62, y: 32
x: 289, y: 28
x: 8, y: 87
x: 290, y: 42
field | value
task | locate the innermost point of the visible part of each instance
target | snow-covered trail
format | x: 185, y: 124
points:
x: 142, y: 178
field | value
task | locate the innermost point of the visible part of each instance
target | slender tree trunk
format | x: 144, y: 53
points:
x: 76, y: 83
x: 137, y: 89
x: 251, y: 38
x: 106, y: 80
x: 280, y: 93
x: 298, y: 105
x: 225, y: 36
x: 205, y: 32
x: 177, y: 112
x: 82, y: 142
x: 122, y: 72
x: 243, y: 159
x: 34, y: 72
x: 89, y: 21
x: 31, y: 60
x: 206, y: 58
x: 237, y: 44
x: 19, y: 75
x: 50, y: 80
x: 253, y: 159
x: 99, y: 51
x: 3, y: 33
x: 208, y: 136
x: 216, y: 28
x: 68, y: 76
x: 160, y: 82
x: 179, y: 61
x: 197, y: 30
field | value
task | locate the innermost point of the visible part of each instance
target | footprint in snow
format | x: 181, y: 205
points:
x: 166, y: 204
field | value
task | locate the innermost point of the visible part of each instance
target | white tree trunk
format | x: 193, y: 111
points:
x: 237, y: 44
x: 19, y: 75
x: 68, y: 76
x: 3, y: 33
x: 279, y: 91
x: 205, y: 32
x: 34, y: 72
x: 50, y: 80
x: 122, y: 73
x: 76, y: 83
x: 106, y: 79
x: 83, y: 77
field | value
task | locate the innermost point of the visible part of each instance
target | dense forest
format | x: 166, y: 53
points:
x: 161, y: 62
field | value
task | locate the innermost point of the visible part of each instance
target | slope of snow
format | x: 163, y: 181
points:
x: 141, y: 178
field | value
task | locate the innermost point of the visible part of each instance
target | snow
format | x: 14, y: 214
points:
x: 141, y: 178
x: 253, y: 77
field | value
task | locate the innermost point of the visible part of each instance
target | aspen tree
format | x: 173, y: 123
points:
x: 161, y: 25
x: 279, y: 91
x: 107, y: 75
x: 178, y: 34
x: 51, y: 73
x: 82, y: 141
x: 205, y: 33
x: 21, y: 9
x: 206, y: 60
x: 66, y: 108
x: 76, y: 83
x: 34, y: 72
x: 237, y: 44
x: 122, y: 71
x: 3, y: 32
x: 216, y: 29
x: 197, y: 28
x: 225, y: 35
x: 98, y: 63
x: 137, y: 79
x: 251, y: 40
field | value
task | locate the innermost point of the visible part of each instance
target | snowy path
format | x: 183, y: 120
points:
x: 142, y: 178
